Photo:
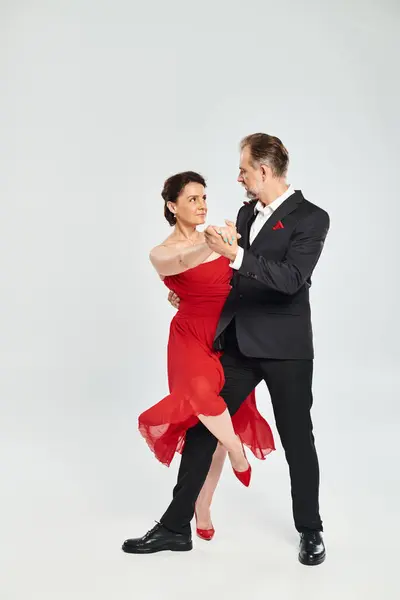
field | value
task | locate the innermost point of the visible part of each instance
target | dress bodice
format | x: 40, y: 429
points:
x: 203, y: 289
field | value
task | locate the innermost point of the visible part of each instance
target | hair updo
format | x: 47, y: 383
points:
x: 174, y: 186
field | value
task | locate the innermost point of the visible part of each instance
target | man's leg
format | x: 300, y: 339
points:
x: 240, y: 379
x: 290, y: 386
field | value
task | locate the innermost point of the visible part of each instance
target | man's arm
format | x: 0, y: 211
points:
x: 289, y: 275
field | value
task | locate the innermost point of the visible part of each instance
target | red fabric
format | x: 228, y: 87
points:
x: 195, y: 373
x: 279, y: 225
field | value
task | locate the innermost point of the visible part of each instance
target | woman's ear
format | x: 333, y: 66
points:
x: 172, y: 207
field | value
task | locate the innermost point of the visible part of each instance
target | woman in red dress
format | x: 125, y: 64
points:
x: 202, y: 281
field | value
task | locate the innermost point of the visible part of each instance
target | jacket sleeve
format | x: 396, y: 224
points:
x: 290, y: 274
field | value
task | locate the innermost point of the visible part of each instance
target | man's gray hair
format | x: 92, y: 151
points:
x: 267, y: 150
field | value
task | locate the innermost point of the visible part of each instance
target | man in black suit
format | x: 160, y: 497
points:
x: 265, y: 333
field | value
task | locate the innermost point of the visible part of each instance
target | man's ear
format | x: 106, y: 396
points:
x: 266, y: 172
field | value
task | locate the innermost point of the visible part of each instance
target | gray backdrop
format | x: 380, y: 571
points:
x: 101, y: 101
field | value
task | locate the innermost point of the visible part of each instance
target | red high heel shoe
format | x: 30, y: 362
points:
x: 204, y: 534
x: 244, y: 476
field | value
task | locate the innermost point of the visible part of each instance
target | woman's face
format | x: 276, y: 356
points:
x: 191, y: 205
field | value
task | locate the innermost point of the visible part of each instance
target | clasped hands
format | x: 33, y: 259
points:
x: 223, y: 240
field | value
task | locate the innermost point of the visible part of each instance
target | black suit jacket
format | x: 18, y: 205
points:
x: 270, y: 292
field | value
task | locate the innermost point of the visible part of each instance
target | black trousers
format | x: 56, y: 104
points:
x: 290, y: 386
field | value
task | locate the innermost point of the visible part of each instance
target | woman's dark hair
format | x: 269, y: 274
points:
x: 174, y: 186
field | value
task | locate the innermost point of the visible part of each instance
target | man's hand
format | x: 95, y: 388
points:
x: 223, y: 240
x: 174, y: 299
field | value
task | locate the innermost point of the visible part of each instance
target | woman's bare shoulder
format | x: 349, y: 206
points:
x: 172, y: 242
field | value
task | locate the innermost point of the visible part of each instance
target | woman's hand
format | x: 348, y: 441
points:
x: 223, y: 240
x: 229, y: 233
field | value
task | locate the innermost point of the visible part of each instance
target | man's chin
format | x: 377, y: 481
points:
x: 251, y: 196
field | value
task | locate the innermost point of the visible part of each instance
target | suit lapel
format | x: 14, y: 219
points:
x: 288, y: 206
x: 245, y: 225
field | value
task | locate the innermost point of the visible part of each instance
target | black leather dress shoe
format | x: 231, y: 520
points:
x: 312, y: 549
x: 157, y: 539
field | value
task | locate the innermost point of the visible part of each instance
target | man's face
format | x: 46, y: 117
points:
x: 250, y: 176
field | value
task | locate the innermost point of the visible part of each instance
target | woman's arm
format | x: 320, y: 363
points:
x: 172, y: 260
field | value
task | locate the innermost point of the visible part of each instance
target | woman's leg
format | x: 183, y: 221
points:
x: 204, y: 499
x: 222, y: 428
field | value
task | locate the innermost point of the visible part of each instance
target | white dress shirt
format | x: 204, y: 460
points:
x: 263, y: 214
